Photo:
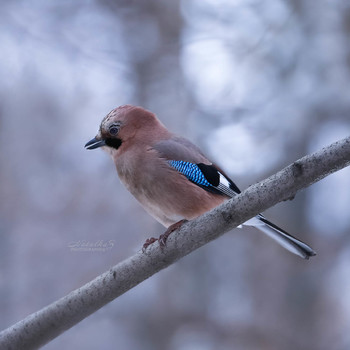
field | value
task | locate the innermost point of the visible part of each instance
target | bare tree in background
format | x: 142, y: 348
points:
x: 255, y: 84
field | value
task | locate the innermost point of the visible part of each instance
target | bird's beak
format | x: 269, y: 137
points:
x: 95, y: 143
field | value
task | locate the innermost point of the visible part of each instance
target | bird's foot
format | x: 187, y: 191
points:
x: 148, y: 242
x: 163, y: 237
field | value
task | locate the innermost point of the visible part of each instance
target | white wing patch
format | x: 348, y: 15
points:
x: 224, y: 186
x: 223, y: 180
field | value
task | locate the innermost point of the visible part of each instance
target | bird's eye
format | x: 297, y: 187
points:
x: 113, y: 130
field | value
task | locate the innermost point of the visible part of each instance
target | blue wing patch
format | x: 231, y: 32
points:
x: 206, y: 176
x: 191, y: 171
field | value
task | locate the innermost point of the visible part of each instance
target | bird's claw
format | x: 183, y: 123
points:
x: 148, y: 242
x: 163, y: 237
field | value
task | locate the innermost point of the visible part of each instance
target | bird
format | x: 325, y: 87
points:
x: 170, y: 176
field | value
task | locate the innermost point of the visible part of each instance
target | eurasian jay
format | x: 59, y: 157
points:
x: 171, y: 178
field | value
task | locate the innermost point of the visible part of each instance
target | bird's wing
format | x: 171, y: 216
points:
x: 187, y: 159
x: 179, y: 148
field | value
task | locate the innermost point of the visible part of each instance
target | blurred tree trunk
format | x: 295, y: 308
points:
x: 153, y: 31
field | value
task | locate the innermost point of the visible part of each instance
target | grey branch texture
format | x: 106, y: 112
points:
x: 44, y: 325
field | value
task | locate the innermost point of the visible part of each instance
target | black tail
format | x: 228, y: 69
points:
x: 286, y: 240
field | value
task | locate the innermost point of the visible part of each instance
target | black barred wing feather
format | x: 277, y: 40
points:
x: 206, y: 176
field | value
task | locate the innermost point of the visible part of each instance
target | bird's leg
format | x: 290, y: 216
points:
x: 163, y: 237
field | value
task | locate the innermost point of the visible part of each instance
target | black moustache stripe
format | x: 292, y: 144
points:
x: 113, y: 142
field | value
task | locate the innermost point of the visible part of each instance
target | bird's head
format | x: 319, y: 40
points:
x: 123, y: 125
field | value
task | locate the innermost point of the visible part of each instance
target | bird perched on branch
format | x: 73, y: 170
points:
x: 172, y: 179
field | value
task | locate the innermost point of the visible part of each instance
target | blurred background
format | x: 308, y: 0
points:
x: 255, y: 84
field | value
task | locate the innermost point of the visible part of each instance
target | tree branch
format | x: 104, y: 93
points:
x: 44, y: 325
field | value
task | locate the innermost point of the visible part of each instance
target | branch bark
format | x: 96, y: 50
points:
x: 44, y: 325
